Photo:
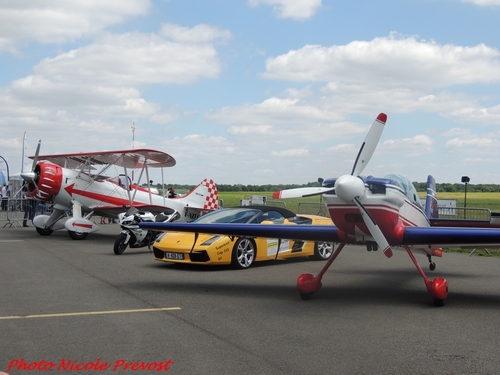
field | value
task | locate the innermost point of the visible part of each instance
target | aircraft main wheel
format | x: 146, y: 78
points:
x: 44, y: 232
x: 120, y: 244
x: 439, y: 302
x: 244, y: 252
x: 432, y: 266
x: 306, y: 296
x: 77, y: 236
x: 322, y: 250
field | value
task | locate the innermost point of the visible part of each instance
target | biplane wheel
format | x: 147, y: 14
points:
x: 44, y: 232
x: 244, y: 253
x: 322, y: 250
x: 77, y: 236
x: 121, y: 244
x: 432, y: 266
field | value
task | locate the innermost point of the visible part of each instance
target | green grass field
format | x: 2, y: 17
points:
x: 490, y: 201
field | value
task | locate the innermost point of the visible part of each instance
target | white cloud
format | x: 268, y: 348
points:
x: 483, y: 2
x: 133, y: 59
x: 389, y: 62
x: 201, y: 33
x: 58, y: 21
x: 296, y: 9
x: 297, y: 152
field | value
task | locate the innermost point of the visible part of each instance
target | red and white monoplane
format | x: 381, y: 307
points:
x: 377, y: 213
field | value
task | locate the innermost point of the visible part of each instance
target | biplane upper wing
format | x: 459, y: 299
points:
x: 131, y: 159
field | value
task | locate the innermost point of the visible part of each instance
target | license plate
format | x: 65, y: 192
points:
x: 176, y: 256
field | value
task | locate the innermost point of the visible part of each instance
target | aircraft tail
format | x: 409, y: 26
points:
x: 431, y: 204
x: 204, y: 196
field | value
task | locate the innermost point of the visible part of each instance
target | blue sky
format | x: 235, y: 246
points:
x: 257, y: 91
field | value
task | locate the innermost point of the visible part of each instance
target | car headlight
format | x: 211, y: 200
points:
x: 210, y: 241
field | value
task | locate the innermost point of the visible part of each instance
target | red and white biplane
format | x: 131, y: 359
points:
x: 377, y: 213
x: 77, y: 186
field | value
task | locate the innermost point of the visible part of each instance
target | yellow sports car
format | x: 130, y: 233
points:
x: 241, y: 252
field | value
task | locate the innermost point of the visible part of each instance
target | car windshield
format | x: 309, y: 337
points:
x: 228, y: 215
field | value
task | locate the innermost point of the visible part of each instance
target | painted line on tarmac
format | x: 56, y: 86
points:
x: 88, y: 313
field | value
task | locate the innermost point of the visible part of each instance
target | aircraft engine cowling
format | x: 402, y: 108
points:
x: 48, y: 178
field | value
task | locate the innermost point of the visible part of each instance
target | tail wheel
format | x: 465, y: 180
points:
x: 77, y: 236
x: 120, y: 244
x: 44, y: 232
x: 244, y: 252
x: 322, y: 250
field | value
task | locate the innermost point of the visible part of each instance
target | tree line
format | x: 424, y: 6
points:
x: 420, y: 186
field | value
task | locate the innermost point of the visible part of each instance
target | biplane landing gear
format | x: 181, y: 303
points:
x: 437, y: 288
x: 77, y: 235
x: 44, y: 231
x: 307, y: 283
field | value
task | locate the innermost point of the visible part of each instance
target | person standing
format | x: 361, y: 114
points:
x: 5, y: 197
x: 27, y: 207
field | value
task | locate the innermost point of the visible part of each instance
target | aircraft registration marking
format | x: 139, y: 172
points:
x: 83, y: 313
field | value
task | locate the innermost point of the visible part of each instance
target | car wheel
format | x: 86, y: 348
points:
x: 322, y: 250
x: 44, y: 232
x: 121, y: 244
x: 244, y: 252
x: 76, y: 235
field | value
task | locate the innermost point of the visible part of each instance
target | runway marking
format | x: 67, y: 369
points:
x: 88, y: 313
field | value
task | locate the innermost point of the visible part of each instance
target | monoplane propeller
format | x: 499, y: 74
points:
x: 351, y: 188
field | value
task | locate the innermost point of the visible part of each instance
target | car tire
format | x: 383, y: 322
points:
x: 244, y: 253
x: 77, y: 236
x: 322, y: 250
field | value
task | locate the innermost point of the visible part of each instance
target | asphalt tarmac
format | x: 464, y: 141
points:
x: 69, y: 306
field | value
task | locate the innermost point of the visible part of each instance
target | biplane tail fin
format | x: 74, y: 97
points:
x: 431, y: 203
x: 204, y: 196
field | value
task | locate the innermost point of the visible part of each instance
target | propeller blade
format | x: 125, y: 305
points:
x: 369, y: 145
x: 35, y: 159
x: 374, y: 229
x: 301, y: 192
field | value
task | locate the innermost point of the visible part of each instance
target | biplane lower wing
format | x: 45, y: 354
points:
x: 113, y: 211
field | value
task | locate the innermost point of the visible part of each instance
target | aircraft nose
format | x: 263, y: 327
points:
x: 28, y: 176
x: 348, y: 187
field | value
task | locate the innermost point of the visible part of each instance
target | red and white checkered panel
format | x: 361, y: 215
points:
x: 212, y: 199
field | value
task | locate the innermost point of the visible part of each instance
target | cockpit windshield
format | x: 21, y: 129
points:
x: 407, y: 186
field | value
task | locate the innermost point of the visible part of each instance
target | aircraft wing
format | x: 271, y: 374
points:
x: 134, y: 158
x: 113, y: 211
x: 323, y: 233
x: 443, y: 236
x: 432, y: 236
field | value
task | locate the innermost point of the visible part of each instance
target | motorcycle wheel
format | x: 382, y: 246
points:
x: 120, y: 244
